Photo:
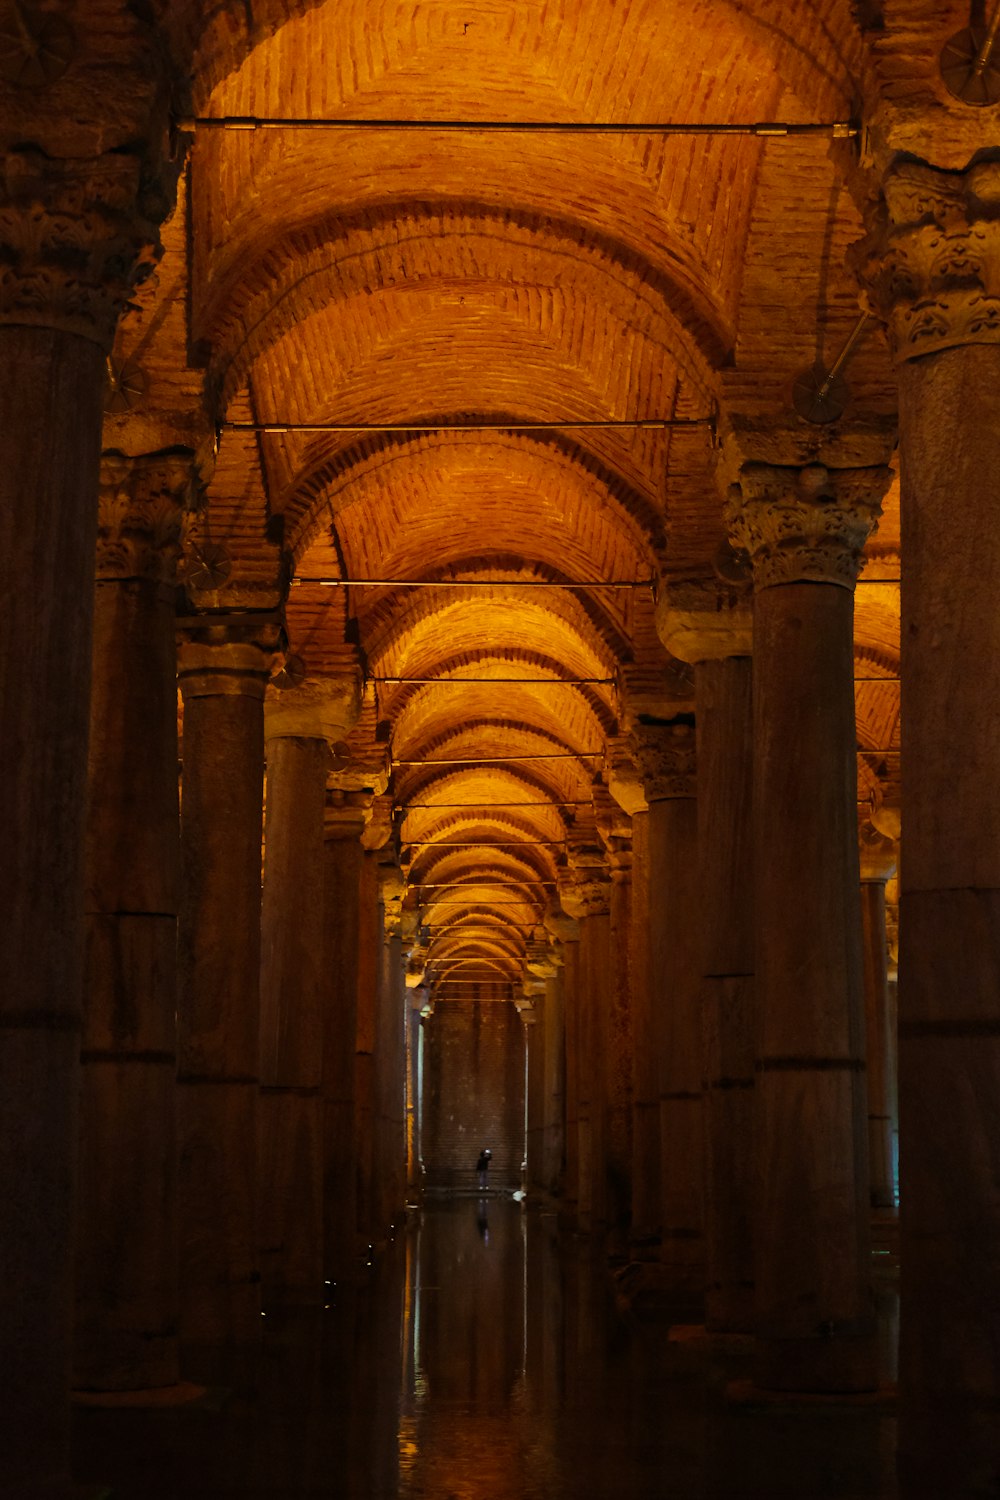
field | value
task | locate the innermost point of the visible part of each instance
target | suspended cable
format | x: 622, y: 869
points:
x: 534, y: 681
x: 489, y: 760
x: 558, y: 424
x: 837, y: 129
x: 475, y: 583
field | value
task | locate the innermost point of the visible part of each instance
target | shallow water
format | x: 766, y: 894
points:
x: 486, y: 1360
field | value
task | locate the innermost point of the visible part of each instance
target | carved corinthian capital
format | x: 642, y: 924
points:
x: 73, y: 242
x: 930, y: 263
x: 142, y: 508
x: 665, y: 754
x: 805, y: 524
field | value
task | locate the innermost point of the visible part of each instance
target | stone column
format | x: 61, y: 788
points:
x: 389, y: 1155
x: 126, y: 1280
x: 416, y: 998
x: 534, y: 1019
x: 878, y: 862
x: 615, y: 829
x: 565, y: 933
x: 559, y: 924
x: 73, y: 234
x: 588, y: 898
x: 365, y: 1098
x: 666, y: 758
x: 300, y: 724
x: 544, y: 1072
x: 804, y: 530
x: 711, y: 627
x: 223, y: 671
x: 931, y: 263
x: 347, y: 814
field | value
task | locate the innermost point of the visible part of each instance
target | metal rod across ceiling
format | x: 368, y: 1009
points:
x: 838, y: 129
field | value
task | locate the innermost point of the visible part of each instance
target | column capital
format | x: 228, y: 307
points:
x: 878, y: 854
x: 231, y: 657
x: 541, y: 959
x: 74, y: 241
x: 667, y: 760
x: 929, y: 265
x: 346, y: 814
x: 143, y: 505
x: 560, y: 926
x: 585, y: 888
x: 805, y: 524
x: 705, y: 619
x: 317, y: 708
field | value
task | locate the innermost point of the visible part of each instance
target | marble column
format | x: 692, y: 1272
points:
x: 665, y: 755
x: 587, y: 897
x: 560, y: 1063
x: 804, y: 529
x: 930, y: 263
x: 554, y: 1085
x: 300, y: 725
x: 223, y: 671
x: 416, y: 997
x: 534, y: 1019
x: 127, y: 1248
x: 365, y: 1099
x: 389, y: 1156
x: 616, y: 832
x: 347, y: 814
x: 878, y: 862
x: 710, y: 626
x: 72, y: 238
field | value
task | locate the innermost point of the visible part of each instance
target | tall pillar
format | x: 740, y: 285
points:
x: 300, y: 724
x: 388, y: 1194
x: 804, y: 530
x: 533, y: 1018
x: 127, y: 1248
x: 365, y: 1103
x: 347, y: 813
x: 588, y: 898
x: 615, y: 829
x: 567, y: 929
x: 931, y: 266
x: 666, y: 758
x: 711, y: 627
x: 71, y: 237
x: 878, y: 862
x: 223, y: 672
x: 554, y: 1086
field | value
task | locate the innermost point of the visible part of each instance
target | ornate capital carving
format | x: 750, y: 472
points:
x: 560, y: 925
x: 73, y: 241
x: 541, y: 960
x: 930, y: 263
x: 805, y: 524
x: 142, y: 509
x: 666, y: 756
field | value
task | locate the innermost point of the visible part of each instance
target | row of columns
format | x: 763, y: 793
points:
x: 749, y: 1003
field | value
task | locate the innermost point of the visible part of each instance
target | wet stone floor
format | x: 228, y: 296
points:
x: 486, y: 1360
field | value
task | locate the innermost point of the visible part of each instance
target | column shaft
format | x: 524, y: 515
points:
x: 676, y: 998
x: 949, y: 962
x: 219, y: 1007
x: 594, y: 990
x: 344, y: 859
x: 618, y: 1051
x: 725, y: 855
x: 645, y: 1069
x: 293, y: 990
x: 814, y: 1306
x: 534, y: 1030
x: 127, y: 1250
x: 370, y: 945
x: 571, y: 1011
x: 50, y: 383
x: 554, y: 1085
x: 880, y: 1046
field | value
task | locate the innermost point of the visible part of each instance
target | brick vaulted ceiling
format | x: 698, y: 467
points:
x: 367, y: 276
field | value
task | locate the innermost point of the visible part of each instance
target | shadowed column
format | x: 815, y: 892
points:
x: 878, y: 862
x: 709, y: 624
x: 127, y: 1286
x: 300, y: 725
x: 347, y: 813
x: 587, y: 896
x: 930, y: 262
x: 804, y: 530
x: 666, y: 759
x: 223, y: 673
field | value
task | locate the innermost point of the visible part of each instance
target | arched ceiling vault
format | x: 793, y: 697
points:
x: 367, y: 278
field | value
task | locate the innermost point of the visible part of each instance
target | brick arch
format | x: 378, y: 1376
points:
x: 568, y: 476
x: 454, y: 247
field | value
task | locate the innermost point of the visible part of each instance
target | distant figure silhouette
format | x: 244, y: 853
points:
x: 483, y: 1167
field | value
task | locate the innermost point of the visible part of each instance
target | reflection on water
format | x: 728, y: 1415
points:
x: 485, y: 1361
